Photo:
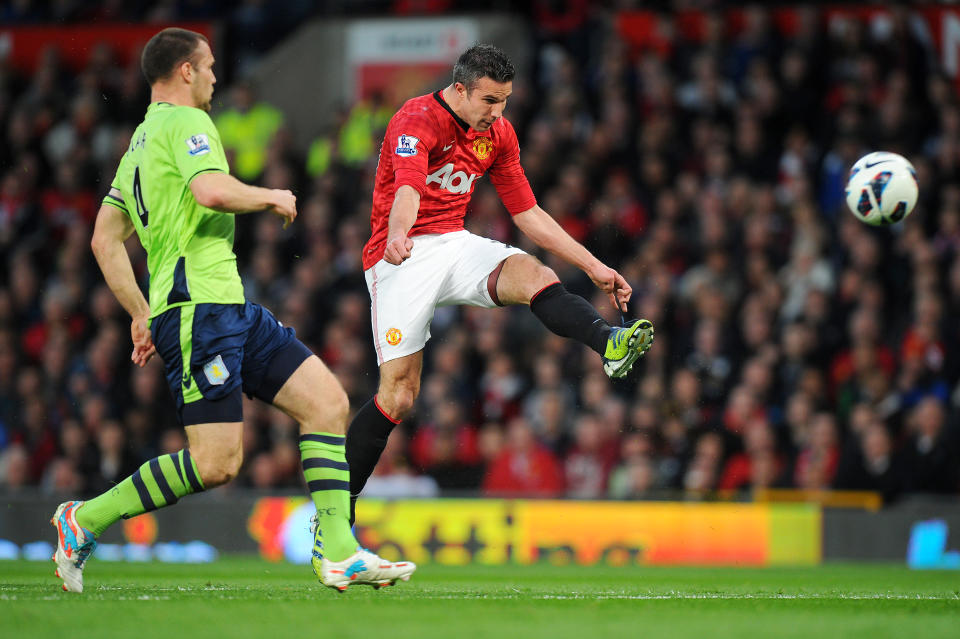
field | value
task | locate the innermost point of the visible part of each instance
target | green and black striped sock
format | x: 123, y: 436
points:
x: 328, y: 479
x: 159, y: 482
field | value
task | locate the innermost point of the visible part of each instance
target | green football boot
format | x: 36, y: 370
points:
x: 625, y: 345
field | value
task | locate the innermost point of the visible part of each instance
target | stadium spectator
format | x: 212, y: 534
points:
x: 871, y: 463
x: 14, y: 468
x: 393, y: 476
x: 523, y: 467
x: 591, y: 457
x: 817, y: 459
x: 445, y: 447
x: 113, y: 458
x: 931, y: 449
x: 709, y: 362
x: 634, y: 479
x: 759, y: 450
x: 636, y: 476
x: 246, y: 128
x: 701, y: 474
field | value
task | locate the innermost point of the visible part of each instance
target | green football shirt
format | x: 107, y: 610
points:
x: 189, y: 247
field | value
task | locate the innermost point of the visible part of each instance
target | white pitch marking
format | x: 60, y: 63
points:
x: 696, y: 596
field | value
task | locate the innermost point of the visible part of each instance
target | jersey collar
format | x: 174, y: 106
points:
x: 460, y: 121
x: 153, y: 106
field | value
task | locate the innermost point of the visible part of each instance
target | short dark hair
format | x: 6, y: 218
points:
x: 167, y: 50
x: 482, y: 60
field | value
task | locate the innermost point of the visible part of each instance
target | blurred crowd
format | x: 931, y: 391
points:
x: 796, y: 347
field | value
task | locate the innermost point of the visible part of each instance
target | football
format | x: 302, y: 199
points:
x: 882, y: 188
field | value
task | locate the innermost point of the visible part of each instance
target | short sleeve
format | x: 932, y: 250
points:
x: 507, y: 174
x: 196, y: 144
x: 411, y: 138
x: 114, y: 196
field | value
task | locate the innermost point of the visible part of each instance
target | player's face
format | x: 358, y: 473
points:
x: 484, y: 103
x: 203, y: 78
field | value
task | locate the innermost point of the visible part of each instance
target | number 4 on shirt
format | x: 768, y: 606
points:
x: 142, y: 211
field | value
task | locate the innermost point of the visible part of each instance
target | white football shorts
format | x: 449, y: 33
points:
x: 444, y: 269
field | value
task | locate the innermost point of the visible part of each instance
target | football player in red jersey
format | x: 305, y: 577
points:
x: 419, y: 255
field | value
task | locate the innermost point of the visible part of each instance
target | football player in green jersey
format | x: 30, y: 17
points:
x: 173, y: 188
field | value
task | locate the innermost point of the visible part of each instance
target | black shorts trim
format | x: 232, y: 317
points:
x: 282, y: 366
x: 213, y: 411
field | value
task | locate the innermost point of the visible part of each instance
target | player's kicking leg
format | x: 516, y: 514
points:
x: 524, y: 280
x: 314, y: 397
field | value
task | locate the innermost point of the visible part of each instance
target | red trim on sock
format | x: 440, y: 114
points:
x: 383, y: 412
x: 534, y: 296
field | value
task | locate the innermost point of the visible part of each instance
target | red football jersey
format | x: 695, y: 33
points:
x: 430, y: 148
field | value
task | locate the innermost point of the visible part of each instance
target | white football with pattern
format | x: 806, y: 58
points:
x: 882, y: 188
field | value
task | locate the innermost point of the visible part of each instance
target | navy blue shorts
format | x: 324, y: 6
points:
x: 232, y: 348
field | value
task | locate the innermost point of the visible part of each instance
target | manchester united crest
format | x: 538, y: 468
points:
x: 482, y: 148
x: 394, y: 336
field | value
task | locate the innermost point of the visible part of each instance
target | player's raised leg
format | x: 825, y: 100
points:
x: 523, y: 279
x: 314, y: 397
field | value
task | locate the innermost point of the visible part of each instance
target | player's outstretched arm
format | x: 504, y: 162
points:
x: 403, y: 214
x: 112, y: 228
x: 546, y: 233
x: 225, y: 193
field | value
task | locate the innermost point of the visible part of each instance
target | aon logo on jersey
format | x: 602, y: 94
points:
x: 458, y: 183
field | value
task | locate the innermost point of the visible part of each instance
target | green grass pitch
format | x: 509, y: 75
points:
x: 246, y: 597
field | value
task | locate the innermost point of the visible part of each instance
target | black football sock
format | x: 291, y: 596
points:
x: 366, y: 439
x: 570, y: 315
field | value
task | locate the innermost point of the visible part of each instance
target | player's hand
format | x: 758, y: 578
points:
x: 613, y: 284
x: 398, y: 249
x: 284, y: 205
x: 143, y: 348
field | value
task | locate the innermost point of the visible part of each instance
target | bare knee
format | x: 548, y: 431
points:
x: 314, y: 397
x: 217, y: 466
x: 545, y: 276
x: 542, y: 277
x: 522, y: 277
x: 397, y: 399
x: 328, y: 414
x: 340, y: 407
